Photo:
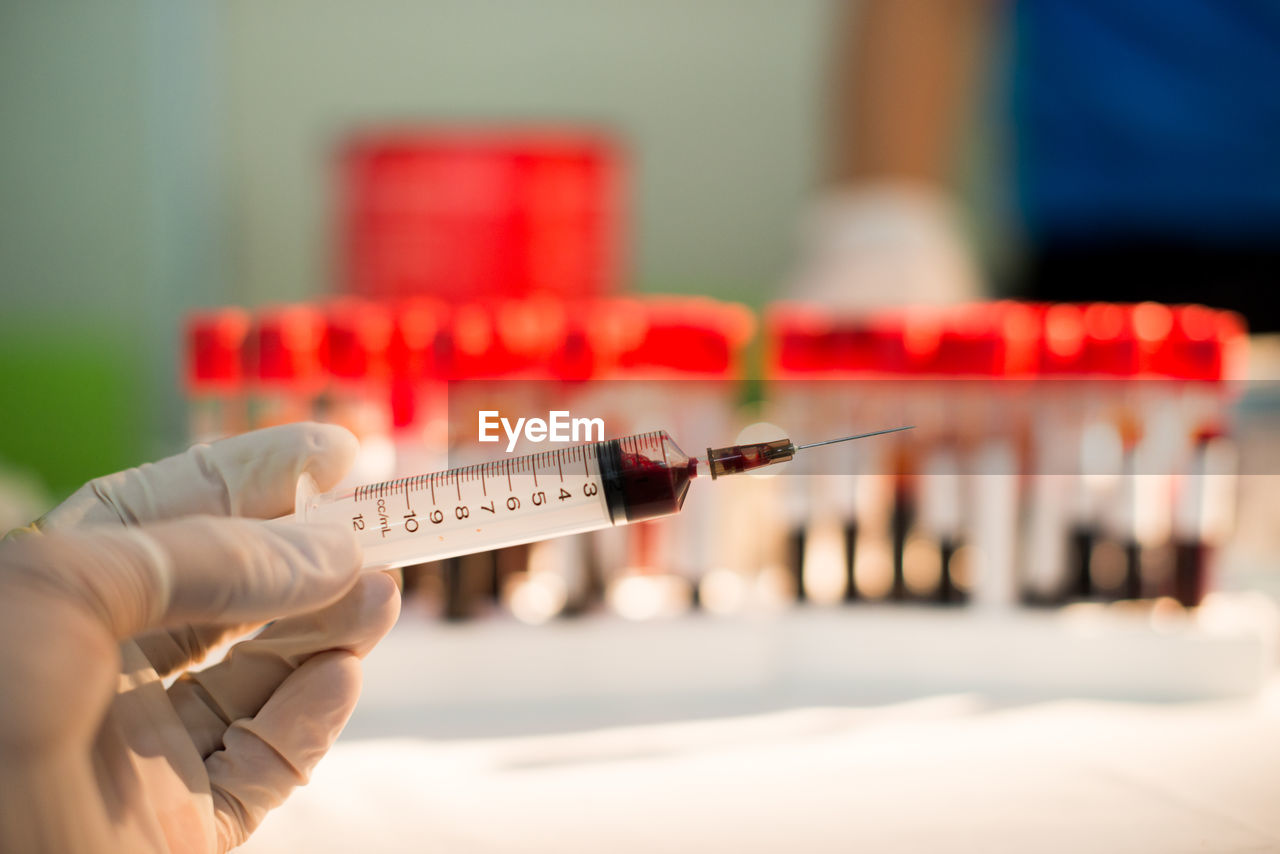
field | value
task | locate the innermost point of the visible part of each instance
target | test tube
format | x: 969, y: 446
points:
x: 1098, y: 560
x: 418, y: 385
x: 358, y: 395
x: 1054, y: 475
x: 857, y: 348
x: 675, y: 372
x: 1113, y: 354
x: 528, y: 335
x: 692, y: 353
x: 215, y: 375
x: 826, y: 368
x: 478, y: 363
x: 285, y: 347
x: 1206, y: 351
x: 419, y: 361
x: 585, y: 366
x: 802, y: 365
x: 1000, y: 351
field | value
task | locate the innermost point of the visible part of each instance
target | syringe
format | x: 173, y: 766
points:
x: 571, y: 490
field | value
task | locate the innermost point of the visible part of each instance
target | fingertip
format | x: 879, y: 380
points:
x: 257, y: 473
x: 331, y: 450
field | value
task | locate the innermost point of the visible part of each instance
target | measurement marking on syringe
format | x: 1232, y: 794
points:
x: 509, y: 487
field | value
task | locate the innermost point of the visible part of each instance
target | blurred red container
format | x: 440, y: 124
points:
x: 215, y: 341
x: 689, y: 338
x: 286, y: 349
x: 464, y: 213
x: 357, y: 341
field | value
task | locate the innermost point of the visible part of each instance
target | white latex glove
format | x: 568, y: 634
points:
x: 120, y: 586
x: 884, y: 245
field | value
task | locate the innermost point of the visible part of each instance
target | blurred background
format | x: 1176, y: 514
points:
x: 166, y: 156
x: 1045, y: 232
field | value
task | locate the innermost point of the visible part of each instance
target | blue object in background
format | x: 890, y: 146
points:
x: 1137, y: 119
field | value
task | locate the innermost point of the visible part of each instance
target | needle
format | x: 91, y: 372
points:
x: 851, y: 438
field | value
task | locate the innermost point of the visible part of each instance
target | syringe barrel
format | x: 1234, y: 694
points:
x: 572, y: 490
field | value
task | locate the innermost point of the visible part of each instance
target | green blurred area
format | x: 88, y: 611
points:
x: 74, y: 402
x: 107, y: 176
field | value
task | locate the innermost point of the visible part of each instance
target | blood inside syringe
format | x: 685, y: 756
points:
x: 640, y: 485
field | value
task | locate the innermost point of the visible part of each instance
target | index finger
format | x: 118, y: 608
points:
x: 254, y: 474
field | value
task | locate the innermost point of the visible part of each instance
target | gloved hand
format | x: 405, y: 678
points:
x: 122, y: 585
x: 881, y: 245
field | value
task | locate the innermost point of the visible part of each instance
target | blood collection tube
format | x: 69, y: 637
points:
x: 1099, y: 560
x: 931, y: 351
x: 646, y: 584
x: 1056, y: 428
x: 856, y: 363
x: 418, y: 395
x: 1204, y: 515
x: 1135, y: 509
x: 833, y: 528
x: 1206, y: 350
x: 803, y: 370
x: 470, y: 582
x: 933, y: 357
x: 528, y: 336
x: 998, y: 351
x: 693, y: 352
x: 1161, y: 445
x: 844, y: 407
x: 863, y: 493
x: 356, y: 359
x: 588, y: 365
x: 671, y: 374
x: 285, y: 347
x: 215, y: 376
x: 901, y: 359
x: 832, y: 368
x: 583, y: 370
x: 940, y: 528
x: 1114, y: 353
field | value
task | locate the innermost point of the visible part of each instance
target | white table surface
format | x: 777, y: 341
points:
x: 951, y: 772
x: 940, y: 774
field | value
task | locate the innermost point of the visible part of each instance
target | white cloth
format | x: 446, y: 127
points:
x: 946, y: 774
